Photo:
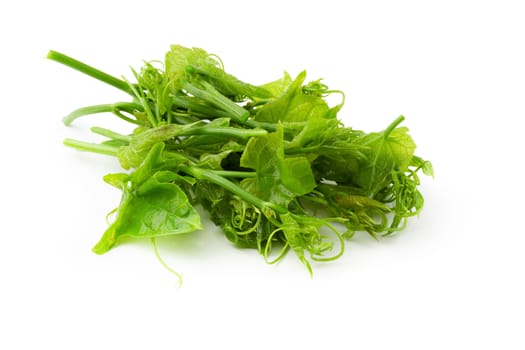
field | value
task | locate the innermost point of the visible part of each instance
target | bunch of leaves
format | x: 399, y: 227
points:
x: 272, y: 164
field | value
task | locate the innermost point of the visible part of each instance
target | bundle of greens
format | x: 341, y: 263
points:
x: 272, y: 165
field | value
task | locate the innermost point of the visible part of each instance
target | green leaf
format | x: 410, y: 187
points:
x: 424, y: 165
x: 142, y: 141
x: 278, y: 87
x: 340, y: 156
x: 296, y: 175
x: 264, y: 153
x: 278, y: 179
x: 389, y: 150
x: 147, y: 167
x: 215, y: 200
x: 316, y: 131
x: 160, y: 209
x: 152, y: 204
x: 161, y: 177
x: 293, y: 106
x: 213, y: 160
x: 118, y: 180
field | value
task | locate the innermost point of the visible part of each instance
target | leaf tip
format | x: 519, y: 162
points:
x: 106, y: 242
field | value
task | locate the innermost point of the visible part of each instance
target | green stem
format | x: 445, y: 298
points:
x: 139, y: 95
x: 129, y: 107
x: 264, y: 125
x: 198, y: 108
x: 91, y: 147
x: 110, y: 134
x: 208, y: 175
x: 322, y: 148
x: 242, y: 134
x: 88, y: 70
x: 236, y: 174
x: 182, y: 118
x: 228, y: 81
x: 169, y: 131
x: 393, y: 125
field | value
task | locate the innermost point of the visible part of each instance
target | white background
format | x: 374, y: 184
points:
x: 452, y: 280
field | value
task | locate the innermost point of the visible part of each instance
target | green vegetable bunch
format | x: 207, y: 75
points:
x: 272, y: 165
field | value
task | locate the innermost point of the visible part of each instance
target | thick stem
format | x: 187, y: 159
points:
x: 228, y: 81
x: 210, y: 94
x: 170, y: 131
x: 242, y: 134
x: 88, y: 70
x: 199, y: 108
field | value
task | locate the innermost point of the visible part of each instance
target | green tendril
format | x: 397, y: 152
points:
x: 164, y: 264
x: 218, y: 59
x: 268, y: 248
x: 341, y: 245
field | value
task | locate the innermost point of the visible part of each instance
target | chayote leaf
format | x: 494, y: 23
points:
x: 385, y: 152
x: 152, y: 204
x: 293, y: 106
x: 278, y: 179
